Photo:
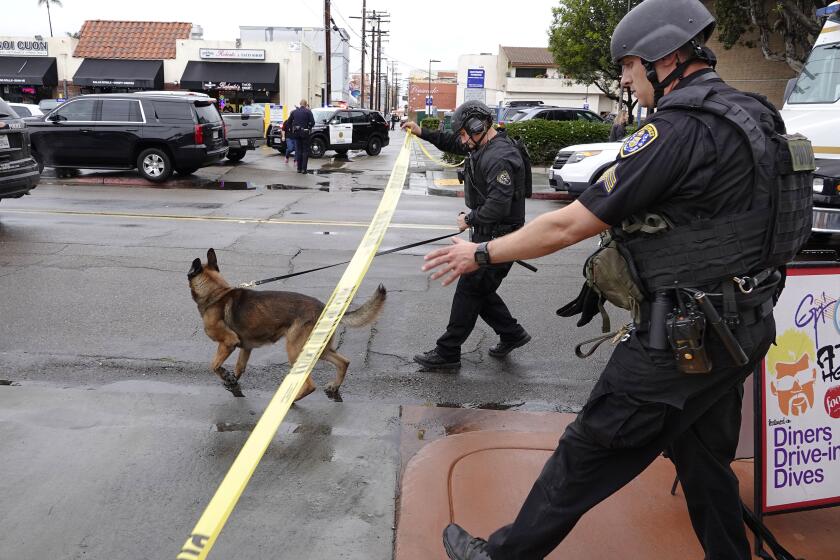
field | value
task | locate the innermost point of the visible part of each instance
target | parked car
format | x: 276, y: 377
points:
x: 18, y: 169
x: 244, y: 131
x: 510, y: 108
x: 370, y: 132
x: 47, y: 105
x: 26, y: 110
x: 157, y: 134
x: 551, y: 113
x: 576, y: 167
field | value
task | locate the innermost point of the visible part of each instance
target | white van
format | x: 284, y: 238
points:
x: 812, y: 108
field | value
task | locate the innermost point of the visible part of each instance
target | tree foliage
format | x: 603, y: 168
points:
x: 579, y: 40
x: 793, y: 21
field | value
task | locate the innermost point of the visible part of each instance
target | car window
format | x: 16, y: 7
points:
x: 518, y: 116
x: 207, y: 113
x: 120, y: 110
x: 376, y: 117
x: 323, y: 115
x: 79, y: 110
x: 358, y: 117
x: 22, y: 111
x: 172, y: 111
x: 587, y: 116
x: 342, y: 116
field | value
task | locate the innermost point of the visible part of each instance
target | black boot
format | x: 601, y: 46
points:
x: 460, y: 545
x: 503, y: 348
x: 433, y: 360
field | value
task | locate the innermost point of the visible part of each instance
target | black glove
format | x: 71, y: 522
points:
x: 587, y: 305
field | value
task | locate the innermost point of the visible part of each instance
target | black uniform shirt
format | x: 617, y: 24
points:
x: 498, y: 173
x: 682, y: 165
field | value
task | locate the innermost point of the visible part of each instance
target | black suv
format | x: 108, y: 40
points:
x: 370, y: 131
x: 157, y: 133
x: 18, y: 169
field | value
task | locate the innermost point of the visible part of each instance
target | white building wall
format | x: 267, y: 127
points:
x: 313, y: 37
x: 487, y: 62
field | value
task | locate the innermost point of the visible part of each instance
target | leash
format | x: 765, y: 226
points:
x: 530, y: 267
x: 380, y: 253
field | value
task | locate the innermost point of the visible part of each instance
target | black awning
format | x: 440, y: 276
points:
x: 231, y: 76
x: 98, y: 72
x: 28, y: 70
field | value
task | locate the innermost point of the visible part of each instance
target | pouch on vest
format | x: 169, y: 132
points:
x: 608, y: 278
x: 528, y: 189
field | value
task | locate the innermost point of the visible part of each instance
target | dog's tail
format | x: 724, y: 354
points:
x: 366, y: 313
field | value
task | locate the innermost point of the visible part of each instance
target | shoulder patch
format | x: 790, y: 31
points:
x: 639, y: 140
x: 608, y: 180
x: 504, y: 177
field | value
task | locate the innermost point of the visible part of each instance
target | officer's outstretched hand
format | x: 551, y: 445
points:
x: 452, y: 261
x: 412, y: 127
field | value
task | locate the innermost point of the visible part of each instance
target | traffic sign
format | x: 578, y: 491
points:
x: 429, y: 100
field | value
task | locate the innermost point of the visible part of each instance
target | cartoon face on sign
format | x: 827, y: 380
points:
x: 789, y: 363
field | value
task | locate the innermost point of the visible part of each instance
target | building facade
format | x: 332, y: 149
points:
x: 313, y: 38
x: 32, y: 68
x: 523, y: 73
x: 443, y: 89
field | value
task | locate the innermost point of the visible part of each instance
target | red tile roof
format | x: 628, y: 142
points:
x: 138, y: 40
x: 530, y: 56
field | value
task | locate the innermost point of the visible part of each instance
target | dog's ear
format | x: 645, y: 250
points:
x: 196, y: 269
x: 212, y: 263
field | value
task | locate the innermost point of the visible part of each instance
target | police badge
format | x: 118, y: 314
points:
x: 639, y: 140
x: 504, y: 177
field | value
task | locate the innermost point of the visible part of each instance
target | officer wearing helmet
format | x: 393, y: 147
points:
x: 494, y: 191
x: 705, y: 204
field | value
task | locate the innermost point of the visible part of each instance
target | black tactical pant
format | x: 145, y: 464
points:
x: 302, y: 153
x: 475, y: 296
x: 617, y: 435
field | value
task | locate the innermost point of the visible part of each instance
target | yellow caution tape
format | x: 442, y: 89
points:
x: 210, y: 523
x: 437, y: 161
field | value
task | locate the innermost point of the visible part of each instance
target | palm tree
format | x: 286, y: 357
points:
x: 47, y: 4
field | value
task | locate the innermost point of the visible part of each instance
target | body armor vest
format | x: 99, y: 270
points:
x: 769, y: 234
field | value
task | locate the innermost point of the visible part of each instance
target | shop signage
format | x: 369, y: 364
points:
x: 23, y: 47
x: 800, y: 420
x: 475, y: 78
x: 475, y: 94
x: 232, y: 54
x: 228, y: 86
x: 112, y: 82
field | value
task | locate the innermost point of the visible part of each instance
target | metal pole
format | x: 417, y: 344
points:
x: 372, y: 60
x: 378, y: 63
x: 327, y: 53
x: 364, y: 41
x: 428, y: 97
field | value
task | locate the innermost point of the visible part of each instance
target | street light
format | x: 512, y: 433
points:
x: 428, y: 99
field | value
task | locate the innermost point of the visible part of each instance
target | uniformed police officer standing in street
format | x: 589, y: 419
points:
x: 494, y: 191
x: 714, y: 168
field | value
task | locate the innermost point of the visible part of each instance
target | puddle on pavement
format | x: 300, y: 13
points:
x: 6, y: 382
x: 227, y: 185
x: 483, y: 406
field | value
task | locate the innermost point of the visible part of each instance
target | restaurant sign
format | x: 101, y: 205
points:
x: 22, y: 47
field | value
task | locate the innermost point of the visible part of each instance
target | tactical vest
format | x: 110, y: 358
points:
x: 768, y: 235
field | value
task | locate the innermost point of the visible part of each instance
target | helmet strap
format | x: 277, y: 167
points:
x: 660, y: 87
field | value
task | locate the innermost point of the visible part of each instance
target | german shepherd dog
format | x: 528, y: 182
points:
x: 247, y: 319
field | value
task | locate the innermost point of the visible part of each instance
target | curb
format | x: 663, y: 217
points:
x: 122, y: 182
x: 435, y: 190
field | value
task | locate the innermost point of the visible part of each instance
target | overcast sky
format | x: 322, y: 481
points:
x: 420, y: 30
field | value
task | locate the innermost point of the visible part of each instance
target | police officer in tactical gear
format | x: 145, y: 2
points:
x: 715, y: 166
x: 494, y: 191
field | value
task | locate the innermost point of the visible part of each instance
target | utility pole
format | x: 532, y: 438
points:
x: 378, y: 64
x: 327, y: 53
x: 372, y: 60
x: 364, y: 49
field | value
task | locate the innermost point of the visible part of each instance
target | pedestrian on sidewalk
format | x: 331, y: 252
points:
x: 660, y: 392
x: 302, y: 121
x: 618, y: 130
x: 287, y: 136
x: 494, y: 192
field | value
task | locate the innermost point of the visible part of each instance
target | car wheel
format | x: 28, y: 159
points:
x: 341, y: 151
x: 374, y: 146
x: 317, y: 147
x: 236, y: 155
x: 186, y: 170
x: 154, y: 165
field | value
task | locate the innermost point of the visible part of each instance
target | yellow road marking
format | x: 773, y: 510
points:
x: 269, y: 221
x: 447, y: 182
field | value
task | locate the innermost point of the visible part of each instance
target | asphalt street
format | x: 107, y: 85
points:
x: 114, y: 433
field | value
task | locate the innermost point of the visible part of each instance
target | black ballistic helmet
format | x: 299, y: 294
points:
x: 656, y: 28
x: 473, y: 116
